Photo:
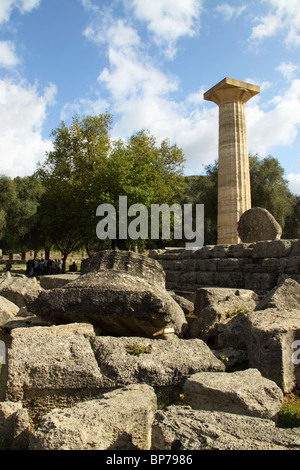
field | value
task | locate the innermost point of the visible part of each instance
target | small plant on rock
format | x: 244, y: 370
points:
x: 136, y: 349
x: 237, y: 311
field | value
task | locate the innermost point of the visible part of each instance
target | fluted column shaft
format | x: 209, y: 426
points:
x: 234, y: 191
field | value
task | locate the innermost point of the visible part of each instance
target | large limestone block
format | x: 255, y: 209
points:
x: 118, y: 303
x: 270, y: 337
x: 8, y: 310
x: 258, y: 224
x: 128, y: 262
x: 182, y: 428
x: 222, y: 305
x: 186, y: 305
x: 272, y: 249
x: 284, y: 296
x: 163, y: 364
x: 121, y: 420
x: 51, y: 366
x: 296, y: 248
x: 24, y: 322
x: 20, y: 290
x: 14, y: 426
x: 244, y: 392
x: 206, y: 296
x: 57, y: 280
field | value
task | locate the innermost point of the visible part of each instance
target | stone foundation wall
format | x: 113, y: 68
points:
x: 257, y: 266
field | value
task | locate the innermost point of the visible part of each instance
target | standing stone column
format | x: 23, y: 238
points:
x: 234, y: 192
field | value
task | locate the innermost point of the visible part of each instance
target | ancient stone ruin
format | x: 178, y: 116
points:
x: 258, y: 224
x: 234, y: 192
x: 177, y: 350
x: 112, y: 358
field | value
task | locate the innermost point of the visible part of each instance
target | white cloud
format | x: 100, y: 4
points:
x: 277, y: 126
x: 294, y: 183
x: 288, y: 70
x: 8, y: 57
x: 228, y: 11
x: 83, y: 106
x: 283, y: 17
x: 142, y: 94
x: 24, y: 6
x: 114, y: 33
x: 23, y: 112
x: 169, y: 20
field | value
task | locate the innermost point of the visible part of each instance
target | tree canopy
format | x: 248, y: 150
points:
x: 87, y: 168
x: 20, y: 199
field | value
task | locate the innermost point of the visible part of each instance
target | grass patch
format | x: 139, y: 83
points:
x: 290, y: 412
x: 236, y: 311
x: 136, y: 349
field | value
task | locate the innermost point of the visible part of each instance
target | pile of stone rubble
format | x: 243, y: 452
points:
x: 91, y: 357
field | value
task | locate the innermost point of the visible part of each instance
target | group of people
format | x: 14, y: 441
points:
x: 40, y: 267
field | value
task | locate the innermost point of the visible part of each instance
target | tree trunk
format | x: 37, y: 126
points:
x: 47, y: 253
x: 64, y: 261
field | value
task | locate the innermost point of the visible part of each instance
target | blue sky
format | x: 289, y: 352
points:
x: 148, y: 62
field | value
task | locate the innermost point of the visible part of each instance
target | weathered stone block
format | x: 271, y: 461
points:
x: 208, y: 320
x: 270, y: 335
x: 272, y: 249
x: 206, y: 296
x: 242, y: 392
x: 231, y: 280
x: 283, y: 277
x: 57, y: 280
x: 121, y: 420
x: 20, y: 290
x: 115, y: 302
x: 258, y: 224
x: 126, y: 262
x: 240, y: 250
x: 173, y: 276
x: 189, y: 277
x: 295, y: 248
x: 292, y: 265
x: 8, y: 310
x: 14, y: 426
x: 220, y: 251
x: 206, y: 278
x: 283, y: 297
x: 50, y: 367
x: 182, y: 428
x: 260, y: 281
x: 206, y: 265
x: 274, y: 265
x: 163, y: 364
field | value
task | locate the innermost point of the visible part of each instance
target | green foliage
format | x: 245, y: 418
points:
x: 73, y: 179
x: 290, y: 412
x: 87, y: 168
x: 203, y: 189
x: 136, y: 349
x: 269, y: 189
x: 20, y: 202
x: 7, y: 197
x: 236, y: 311
x: 292, y: 222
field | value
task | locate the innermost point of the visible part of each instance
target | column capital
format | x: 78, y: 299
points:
x: 230, y: 90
